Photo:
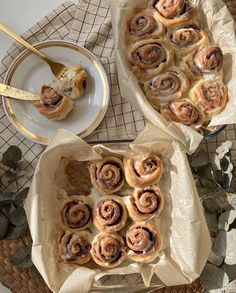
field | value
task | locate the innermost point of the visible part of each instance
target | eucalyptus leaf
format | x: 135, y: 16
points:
x: 231, y: 251
x: 226, y: 219
x: 200, y: 159
x: 14, y: 232
x: 28, y: 249
x: 26, y: 262
x: 21, y: 196
x: 18, y: 217
x: 11, y: 156
x: 212, y: 223
x: 19, y: 256
x: 4, y: 223
x: 6, y: 198
x: 230, y: 270
x: 211, y: 205
x: 221, y: 178
x: 213, y: 278
x: 205, y: 172
x: 231, y: 197
x: 215, y: 259
x: 8, y: 209
x: 220, y: 244
x: 35, y: 272
x: 230, y: 288
x: 224, y: 164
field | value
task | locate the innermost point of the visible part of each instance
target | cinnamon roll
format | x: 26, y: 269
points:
x: 53, y: 105
x: 76, y: 213
x: 145, y: 172
x: 172, y: 12
x: 164, y: 87
x: 143, y: 25
x: 182, y: 111
x: 110, y: 214
x: 211, y: 96
x: 144, y: 242
x: 186, y: 39
x: 203, y: 62
x: 149, y: 57
x: 108, y: 250
x: 74, y: 82
x: 107, y: 174
x: 145, y: 203
x: 74, y: 247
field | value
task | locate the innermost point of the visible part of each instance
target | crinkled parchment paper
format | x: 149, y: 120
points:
x: 218, y: 22
x: 182, y: 222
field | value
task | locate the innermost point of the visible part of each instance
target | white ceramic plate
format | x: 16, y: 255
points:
x: 28, y: 72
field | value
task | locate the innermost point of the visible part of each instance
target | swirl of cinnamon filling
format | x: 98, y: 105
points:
x: 142, y: 24
x: 110, y: 214
x: 76, y: 213
x: 107, y: 174
x: 108, y: 250
x: 145, y: 203
x: 170, y: 8
x: 210, y: 58
x: 144, y: 242
x: 141, y: 173
x: 182, y: 111
x: 211, y: 95
x: 149, y: 55
x: 74, y: 247
x: 185, y: 37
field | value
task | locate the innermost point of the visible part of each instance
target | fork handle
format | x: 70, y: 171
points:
x: 20, y: 40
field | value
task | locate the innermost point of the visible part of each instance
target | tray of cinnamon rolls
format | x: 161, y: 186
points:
x: 165, y: 48
x: 115, y: 220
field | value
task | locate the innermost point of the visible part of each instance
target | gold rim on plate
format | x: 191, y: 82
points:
x: 106, y: 90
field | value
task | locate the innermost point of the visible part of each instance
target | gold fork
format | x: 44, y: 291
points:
x: 57, y: 69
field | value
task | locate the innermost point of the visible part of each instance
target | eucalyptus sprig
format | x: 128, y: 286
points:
x: 215, y: 180
x: 13, y: 221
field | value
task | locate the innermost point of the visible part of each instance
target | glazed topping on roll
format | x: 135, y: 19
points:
x: 75, y: 247
x: 170, y: 8
x: 164, y: 84
x: 181, y: 111
x: 210, y: 58
x: 187, y: 36
x: 142, y: 24
x: 144, y: 242
x: 145, y: 203
x: 149, y: 55
x: 108, y: 249
x: 49, y: 96
x: 212, y: 96
x: 76, y: 214
x: 107, y: 174
x: 140, y: 173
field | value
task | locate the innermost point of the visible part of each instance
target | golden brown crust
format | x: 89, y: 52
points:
x: 110, y: 214
x: 107, y: 175
x: 53, y: 105
x: 76, y: 213
x: 170, y: 85
x: 74, y: 247
x: 143, y: 25
x: 183, y: 111
x: 145, y: 172
x: 149, y: 57
x: 108, y: 250
x: 173, y: 12
x: 144, y: 242
x: 207, y: 61
x: 210, y: 96
x: 186, y: 38
x: 75, y: 81
x: 145, y: 203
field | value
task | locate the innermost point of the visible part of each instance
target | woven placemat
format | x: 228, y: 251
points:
x: 23, y: 280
